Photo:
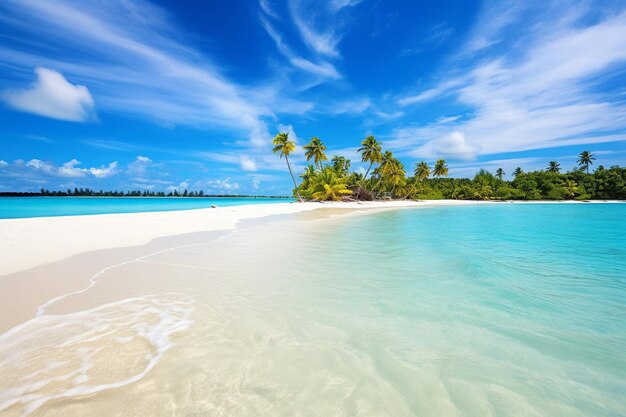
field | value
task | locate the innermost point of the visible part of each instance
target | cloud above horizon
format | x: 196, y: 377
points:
x: 471, y: 82
x: 53, y: 96
x: 318, y: 26
x: 142, y: 69
x: 541, y: 93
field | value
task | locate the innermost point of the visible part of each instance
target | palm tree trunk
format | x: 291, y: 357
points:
x: 368, y: 171
x: 376, y: 186
x: 365, y: 176
x: 412, y: 189
x: 295, y: 186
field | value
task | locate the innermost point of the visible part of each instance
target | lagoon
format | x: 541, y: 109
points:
x: 24, y: 207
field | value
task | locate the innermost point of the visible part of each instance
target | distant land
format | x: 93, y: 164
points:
x: 87, y: 192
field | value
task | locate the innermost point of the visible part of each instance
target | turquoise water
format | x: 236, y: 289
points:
x: 500, y: 310
x: 19, y: 207
x: 504, y: 310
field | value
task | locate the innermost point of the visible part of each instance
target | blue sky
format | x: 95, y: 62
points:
x: 166, y: 94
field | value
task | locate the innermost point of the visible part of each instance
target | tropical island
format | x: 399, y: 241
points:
x: 386, y: 178
x: 89, y: 192
x: 389, y: 178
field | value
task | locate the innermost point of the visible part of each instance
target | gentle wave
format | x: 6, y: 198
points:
x: 54, y: 357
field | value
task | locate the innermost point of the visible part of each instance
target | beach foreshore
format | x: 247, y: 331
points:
x: 44, y: 258
x: 31, y: 242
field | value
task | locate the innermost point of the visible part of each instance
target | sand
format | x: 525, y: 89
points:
x: 27, y: 243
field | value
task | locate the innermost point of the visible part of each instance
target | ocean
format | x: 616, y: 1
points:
x: 21, y: 207
x: 484, y: 310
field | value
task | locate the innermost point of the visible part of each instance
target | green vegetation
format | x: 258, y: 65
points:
x: 88, y: 192
x: 585, y: 159
x: 315, y: 150
x: 386, y: 178
x: 285, y: 147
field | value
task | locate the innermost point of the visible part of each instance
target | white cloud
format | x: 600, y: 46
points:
x: 322, y: 68
x: 141, y: 69
x: 139, y: 166
x: 337, y: 5
x: 70, y: 169
x: 317, y: 23
x: 494, y: 19
x: 447, y: 119
x: 453, y: 145
x: 267, y: 8
x: 41, y: 165
x: 247, y: 164
x: 440, y: 90
x: 105, y: 171
x: 544, y: 95
x: 182, y: 186
x: 322, y: 42
x: 3, y: 163
x: 226, y: 185
x: 53, y: 96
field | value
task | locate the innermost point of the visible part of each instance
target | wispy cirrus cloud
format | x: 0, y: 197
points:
x: 321, y: 68
x: 540, y: 93
x: 318, y: 26
x: 141, y: 68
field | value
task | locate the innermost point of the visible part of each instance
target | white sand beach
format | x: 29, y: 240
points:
x: 30, y: 242
x: 44, y: 258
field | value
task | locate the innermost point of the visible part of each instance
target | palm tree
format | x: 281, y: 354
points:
x: 309, y: 172
x: 315, y: 149
x: 341, y: 165
x: 585, y: 159
x: 422, y: 171
x: 518, y: 171
x: 500, y: 173
x: 554, y: 167
x: 371, y: 151
x: 571, y: 188
x: 483, y: 191
x: 384, y: 167
x: 327, y: 185
x: 441, y: 169
x: 285, y: 147
x: 396, y: 175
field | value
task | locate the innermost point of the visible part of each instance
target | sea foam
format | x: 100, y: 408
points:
x: 64, y: 356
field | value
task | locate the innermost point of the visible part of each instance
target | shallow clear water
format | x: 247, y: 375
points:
x: 20, y: 207
x: 490, y: 310
x: 511, y: 309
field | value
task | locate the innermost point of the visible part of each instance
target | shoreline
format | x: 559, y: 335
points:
x: 54, y: 272
x: 31, y: 242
